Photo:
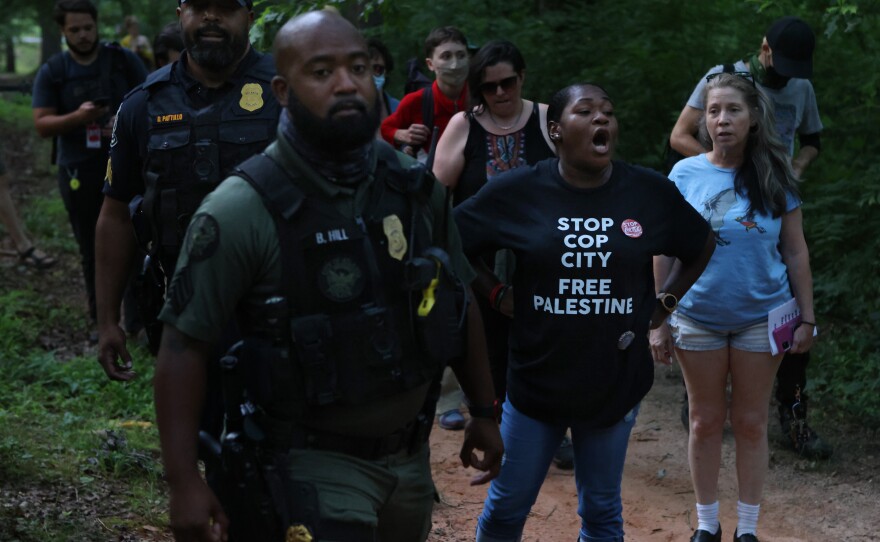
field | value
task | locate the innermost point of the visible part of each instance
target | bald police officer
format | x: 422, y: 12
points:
x: 329, y: 248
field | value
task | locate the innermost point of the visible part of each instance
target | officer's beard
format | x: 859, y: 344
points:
x: 215, y: 56
x: 331, y: 134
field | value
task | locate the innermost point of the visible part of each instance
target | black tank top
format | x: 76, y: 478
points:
x: 487, y: 154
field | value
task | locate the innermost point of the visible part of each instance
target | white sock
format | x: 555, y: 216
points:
x: 707, y: 517
x: 748, y: 518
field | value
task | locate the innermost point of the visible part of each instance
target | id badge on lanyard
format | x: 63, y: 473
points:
x: 93, y: 136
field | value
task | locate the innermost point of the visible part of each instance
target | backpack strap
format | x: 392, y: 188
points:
x: 728, y: 68
x: 428, y: 107
x: 283, y: 200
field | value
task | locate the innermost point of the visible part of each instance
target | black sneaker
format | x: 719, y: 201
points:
x: 748, y: 537
x: 564, y: 456
x: 705, y: 536
x: 800, y: 437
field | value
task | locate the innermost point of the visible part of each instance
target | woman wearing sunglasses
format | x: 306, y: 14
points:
x: 745, y: 189
x: 584, y: 229
x: 502, y: 132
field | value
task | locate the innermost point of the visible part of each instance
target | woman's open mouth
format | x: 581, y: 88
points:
x: 601, y: 140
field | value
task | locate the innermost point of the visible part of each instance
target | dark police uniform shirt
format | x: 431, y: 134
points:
x: 128, y: 148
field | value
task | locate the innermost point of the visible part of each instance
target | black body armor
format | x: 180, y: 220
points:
x: 189, y: 150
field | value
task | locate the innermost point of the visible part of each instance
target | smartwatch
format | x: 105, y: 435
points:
x: 668, y: 301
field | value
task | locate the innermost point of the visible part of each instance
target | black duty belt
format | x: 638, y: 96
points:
x: 409, y: 438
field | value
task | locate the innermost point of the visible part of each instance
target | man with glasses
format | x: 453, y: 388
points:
x: 781, y: 68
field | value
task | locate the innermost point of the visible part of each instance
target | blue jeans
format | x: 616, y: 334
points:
x: 529, y: 446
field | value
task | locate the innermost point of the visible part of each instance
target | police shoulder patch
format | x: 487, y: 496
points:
x: 202, y: 238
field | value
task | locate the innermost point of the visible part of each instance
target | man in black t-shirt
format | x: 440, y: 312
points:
x: 75, y: 94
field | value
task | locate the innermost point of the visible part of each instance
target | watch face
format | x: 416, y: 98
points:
x: 669, y: 302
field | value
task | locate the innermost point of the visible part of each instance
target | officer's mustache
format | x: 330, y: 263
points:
x: 212, y: 29
x: 344, y: 104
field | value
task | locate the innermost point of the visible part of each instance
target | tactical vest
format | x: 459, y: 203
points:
x: 367, y: 308
x: 189, y: 151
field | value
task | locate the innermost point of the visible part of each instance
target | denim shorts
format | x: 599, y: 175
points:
x: 690, y: 335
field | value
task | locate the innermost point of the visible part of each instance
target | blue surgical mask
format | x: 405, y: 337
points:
x: 380, y: 81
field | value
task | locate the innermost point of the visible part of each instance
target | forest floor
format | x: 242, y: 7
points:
x: 834, y: 500
x: 804, y: 501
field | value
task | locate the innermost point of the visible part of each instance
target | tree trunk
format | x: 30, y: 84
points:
x: 10, y: 54
x: 50, y: 34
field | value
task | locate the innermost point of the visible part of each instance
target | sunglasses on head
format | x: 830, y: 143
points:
x: 378, y: 69
x: 506, y: 84
x: 745, y: 75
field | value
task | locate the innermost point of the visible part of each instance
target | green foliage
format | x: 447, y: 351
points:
x: 16, y: 113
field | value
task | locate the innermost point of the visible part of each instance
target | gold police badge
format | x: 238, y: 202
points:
x: 251, y: 97
x: 393, y: 228
x: 298, y: 533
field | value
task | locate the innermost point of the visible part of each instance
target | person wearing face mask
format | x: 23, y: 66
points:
x: 781, y: 69
x: 382, y: 64
x: 411, y: 126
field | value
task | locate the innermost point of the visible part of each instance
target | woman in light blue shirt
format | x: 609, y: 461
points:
x: 746, y: 190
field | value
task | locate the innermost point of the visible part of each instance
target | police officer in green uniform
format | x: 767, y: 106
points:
x: 339, y: 260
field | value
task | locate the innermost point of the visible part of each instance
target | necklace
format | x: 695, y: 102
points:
x: 518, y: 116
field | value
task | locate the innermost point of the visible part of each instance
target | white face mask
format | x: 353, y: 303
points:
x: 379, y: 80
x: 453, y: 72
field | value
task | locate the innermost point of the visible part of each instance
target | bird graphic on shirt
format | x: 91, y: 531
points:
x: 714, y: 210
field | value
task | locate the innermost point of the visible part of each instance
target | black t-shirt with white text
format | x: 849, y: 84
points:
x: 583, y: 278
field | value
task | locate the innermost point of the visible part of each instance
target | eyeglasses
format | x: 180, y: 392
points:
x: 506, y: 84
x: 378, y: 69
x: 745, y: 75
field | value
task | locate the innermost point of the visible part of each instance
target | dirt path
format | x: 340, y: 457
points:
x: 835, y: 500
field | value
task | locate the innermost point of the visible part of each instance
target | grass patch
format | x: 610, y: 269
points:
x: 71, y: 433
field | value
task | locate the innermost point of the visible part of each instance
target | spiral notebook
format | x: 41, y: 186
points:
x: 781, y: 323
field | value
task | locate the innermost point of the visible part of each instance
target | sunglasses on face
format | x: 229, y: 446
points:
x: 745, y: 75
x: 378, y: 69
x: 506, y: 84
